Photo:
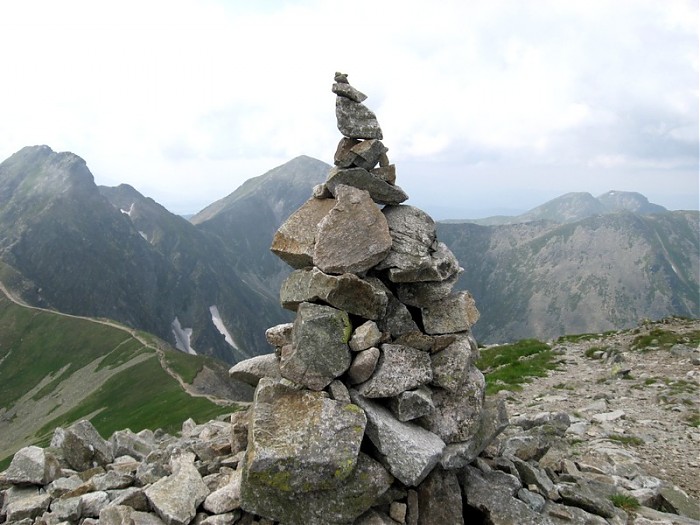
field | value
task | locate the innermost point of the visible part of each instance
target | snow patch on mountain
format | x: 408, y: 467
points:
x: 220, y: 326
x: 128, y: 212
x: 183, y: 337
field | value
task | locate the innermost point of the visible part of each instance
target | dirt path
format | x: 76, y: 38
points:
x: 656, y: 390
x: 133, y: 333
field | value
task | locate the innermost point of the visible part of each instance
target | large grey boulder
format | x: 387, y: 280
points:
x: 319, y: 352
x: 454, y: 313
x: 301, y: 440
x: 252, y: 370
x: 27, y: 508
x: 407, y: 450
x: 457, y: 414
x: 354, y: 236
x: 33, y: 466
x: 295, y: 239
x: 175, y: 498
x: 399, y: 368
x: 346, y: 292
x: 82, y: 446
x: 350, y: 499
x: 379, y: 189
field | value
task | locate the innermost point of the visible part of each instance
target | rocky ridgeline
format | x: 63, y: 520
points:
x: 370, y: 411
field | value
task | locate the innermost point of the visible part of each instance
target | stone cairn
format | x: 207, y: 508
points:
x: 373, y: 386
x: 369, y: 412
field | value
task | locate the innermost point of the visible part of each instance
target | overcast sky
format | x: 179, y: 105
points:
x: 484, y: 104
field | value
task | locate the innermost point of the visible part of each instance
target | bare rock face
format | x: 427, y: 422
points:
x: 379, y: 189
x: 355, y: 120
x: 33, y: 466
x: 82, y: 446
x: 400, y: 368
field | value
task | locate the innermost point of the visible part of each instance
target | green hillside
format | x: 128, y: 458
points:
x: 56, y: 369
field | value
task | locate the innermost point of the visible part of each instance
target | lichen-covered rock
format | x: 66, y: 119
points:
x: 342, y: 505
x: 407, y: 450
x: 354, y: 236
x: 423, y: 293
x: 300, y: 441
x: 279, y: 335
x: 355, y: 120
x: 295, y: 239
x: 441, y: 266
x: 399, y: 368
x: 346, y: 292
x: 319, y: 352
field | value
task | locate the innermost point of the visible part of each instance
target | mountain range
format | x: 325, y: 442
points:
x: 210, y: 285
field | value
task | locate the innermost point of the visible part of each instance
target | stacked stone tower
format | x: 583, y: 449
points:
x: 373, y: 387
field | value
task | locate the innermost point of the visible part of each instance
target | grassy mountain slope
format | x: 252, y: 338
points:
x: 56, y: 369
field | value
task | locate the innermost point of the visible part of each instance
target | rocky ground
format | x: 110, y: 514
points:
x: 637, y: 406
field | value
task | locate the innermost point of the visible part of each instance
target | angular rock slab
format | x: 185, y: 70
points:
x: 423, y: 293
x: 408, y: 451
x: 412, y: 404
x: 455, y: 313
x: 355, y: 120
x: 457, y: 415
x: 354, y: 236
x: 319, y: 352
x: 381, y: 191
x: 82, y: 446
x: 399, y: 368
x: 451, y: 365
x: 301, y: 441
x: 33, y: 466
x: 441, y: 266
x: 346, y: 292
x: 342, y: 505
x: 365, y: 336
x: 175, y: 498
x: 251, y: 371
x: 295, y: 239
x: 493, y: 420
x: 440, y: 499
x: 413, y: 235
